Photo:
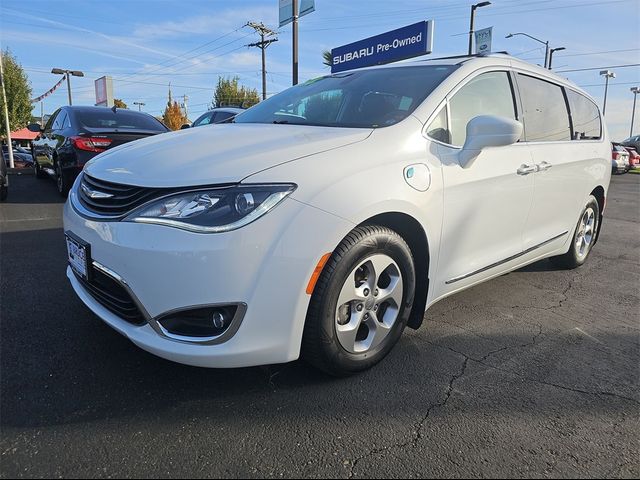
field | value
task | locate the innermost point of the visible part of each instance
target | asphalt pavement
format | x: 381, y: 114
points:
x: 533, y: 374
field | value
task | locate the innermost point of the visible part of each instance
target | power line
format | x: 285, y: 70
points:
x: 600, y: 68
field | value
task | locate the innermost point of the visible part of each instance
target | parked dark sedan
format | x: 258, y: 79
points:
x: 74, y: 135
x: 22, y: 158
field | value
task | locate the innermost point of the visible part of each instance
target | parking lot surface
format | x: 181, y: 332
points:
x: 535, y: 373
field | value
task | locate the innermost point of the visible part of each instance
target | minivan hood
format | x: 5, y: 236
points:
x: 214, y: 154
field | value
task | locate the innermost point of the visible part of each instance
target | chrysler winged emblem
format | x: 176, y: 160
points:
x: 94, y: 193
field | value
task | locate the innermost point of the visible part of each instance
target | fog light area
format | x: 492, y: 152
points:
x: 199, y: 322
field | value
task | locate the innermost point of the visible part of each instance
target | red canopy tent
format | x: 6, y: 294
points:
x: 23, y: 134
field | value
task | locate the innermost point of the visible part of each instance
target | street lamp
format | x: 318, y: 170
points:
x: 546, y: 44
x: 68, y: 73
x: 473, y: 16
x: 635, y: 91
x: 551, y: 54
x: 140, y: 104
x: 607, y: 75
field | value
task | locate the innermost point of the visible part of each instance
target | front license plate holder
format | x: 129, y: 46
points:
x: 78, y: 255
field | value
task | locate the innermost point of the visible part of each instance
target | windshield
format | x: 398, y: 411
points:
x: 361, y: 99
x: 121, y: 119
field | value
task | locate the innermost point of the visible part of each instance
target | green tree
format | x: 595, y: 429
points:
x: 118, y: 103
x: 229, y: 92
x: 18, y: 91
x: 327, y: 59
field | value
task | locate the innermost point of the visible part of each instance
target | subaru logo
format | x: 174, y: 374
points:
x: 94, y: 193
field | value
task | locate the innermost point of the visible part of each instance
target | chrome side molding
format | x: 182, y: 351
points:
x: 506, y: 260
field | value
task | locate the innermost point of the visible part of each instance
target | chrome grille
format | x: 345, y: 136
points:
x: 114, y: 200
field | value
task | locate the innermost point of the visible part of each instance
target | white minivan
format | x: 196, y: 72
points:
x: 326, y: 219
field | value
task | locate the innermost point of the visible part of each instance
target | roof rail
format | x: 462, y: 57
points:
x: 465, y: 56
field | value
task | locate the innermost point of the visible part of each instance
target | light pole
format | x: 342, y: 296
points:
x: 5, y: 112
x: 635, y: 91
x: 68, y: 73
x: 546, y: 45
x: 471, y: 23
x: 551, y: 54
x: 140, y: 105
x: 607, y: 74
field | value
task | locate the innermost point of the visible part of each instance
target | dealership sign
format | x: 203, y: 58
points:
x: 286, y: 10
x: 407, y: 42
x: 483, y: 40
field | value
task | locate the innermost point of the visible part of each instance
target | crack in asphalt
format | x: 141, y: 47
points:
x: 534, y: 380
x: 417, y: 431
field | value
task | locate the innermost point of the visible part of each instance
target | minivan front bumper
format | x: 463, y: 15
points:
x: 265, y: 266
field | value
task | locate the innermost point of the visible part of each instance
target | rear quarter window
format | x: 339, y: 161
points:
x: 585, y: 117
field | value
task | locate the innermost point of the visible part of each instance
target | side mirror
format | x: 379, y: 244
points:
x: 186, y: 125
x: 35, y: 127
x: 488, y: 131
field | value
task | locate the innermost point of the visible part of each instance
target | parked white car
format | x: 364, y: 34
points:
x: 327, y: 218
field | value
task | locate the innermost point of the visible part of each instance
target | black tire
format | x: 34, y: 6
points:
x: 63, y: 181
x: 38, y: 172
x: 574, y: 258
x: 4, y: 192
x: 320, y: 344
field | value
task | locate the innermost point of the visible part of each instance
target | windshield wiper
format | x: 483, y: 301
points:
x: 281, y: 122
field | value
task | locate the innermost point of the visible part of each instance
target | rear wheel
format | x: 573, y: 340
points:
x: 63, y: 181
x: 361, y: 303
x: 583, y: 238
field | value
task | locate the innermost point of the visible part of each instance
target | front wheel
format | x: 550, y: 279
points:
x: 361, y: 302
x: 4, y: 192
x: 583, y: 238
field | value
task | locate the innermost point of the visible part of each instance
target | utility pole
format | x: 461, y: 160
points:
x: 471, y: 23
x: 262, y: 45
x: 6, y: 115
x: 140, y: 105
x: 635, y: 91
x: 607, y: 74
x: 68, y: 74
x: 295, y: 41
x: 185, y: 99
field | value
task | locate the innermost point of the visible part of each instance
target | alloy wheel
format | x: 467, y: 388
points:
x: 586, y: 231
x: 368, y: 304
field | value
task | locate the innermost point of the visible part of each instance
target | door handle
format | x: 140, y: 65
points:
x: 544, y: 166
x: 527, y: 169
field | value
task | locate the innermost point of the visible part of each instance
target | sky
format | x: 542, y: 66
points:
x: 145, y: 44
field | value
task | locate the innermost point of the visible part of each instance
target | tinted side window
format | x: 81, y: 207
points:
x: 487, y: 94
x: 546, y: 118
x: 203, y: 120
x: 585, y: 117
x: 222, y: 116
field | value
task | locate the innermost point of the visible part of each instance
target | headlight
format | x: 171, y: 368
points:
x: 212, y: 210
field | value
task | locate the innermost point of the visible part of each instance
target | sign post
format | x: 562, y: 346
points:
x: 407, y: 42
x: 483, y: 40
x: 290, y: 13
